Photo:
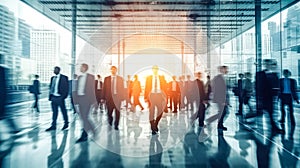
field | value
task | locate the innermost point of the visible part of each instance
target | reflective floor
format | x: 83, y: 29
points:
x: 180, y: 143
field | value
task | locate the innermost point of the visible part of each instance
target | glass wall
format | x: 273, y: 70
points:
x: 280, y: 40
x: 31, y: 45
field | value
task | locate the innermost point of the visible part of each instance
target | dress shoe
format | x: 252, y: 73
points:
x: 81, y: 139
x: 116, y: 128
x: 51, y: 128
x: 65, y: 127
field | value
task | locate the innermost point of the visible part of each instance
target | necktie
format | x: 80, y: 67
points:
x: 155, y: 84
x: 53, y: 85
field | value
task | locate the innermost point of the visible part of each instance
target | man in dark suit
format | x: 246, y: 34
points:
x: 59, y: 89
x: 98, y: 91
x: 85, y: 98
x: 267, y: 86
x: 288, y: 93
x: 202, y: 98
x: 174, y: 90
x: 240, y: 94
x: 113, y: 94
x: 155, y: 96
x: 36, y: 92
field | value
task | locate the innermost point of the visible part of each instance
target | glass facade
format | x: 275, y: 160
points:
x: 35, y: 45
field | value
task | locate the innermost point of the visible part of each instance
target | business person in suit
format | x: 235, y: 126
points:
x: 36, y: 92
x: 267, y: 87
x: 98, y: 92
x: 202, y: 98
x: 155, y: 96
x: 85, y: 98
x: 174, y: 90
x: 59, y: 89
x: 221, y: 97
x: 113, y: 94
x: 288, y: 93
x: 240, y: 94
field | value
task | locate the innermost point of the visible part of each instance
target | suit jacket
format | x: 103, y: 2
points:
x: 219, y: 89
x: 63, y: 86
x: 240, y: 87
x: 89, y: 89
x: 148, y: 87
x: 200, y: 87
x: 266, y: 86
x: 293, y: 86
x: 107, y: 90
x: 136, y: 88
x: 36, y: 87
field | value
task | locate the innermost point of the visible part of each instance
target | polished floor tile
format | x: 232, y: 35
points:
x: 180, y: 143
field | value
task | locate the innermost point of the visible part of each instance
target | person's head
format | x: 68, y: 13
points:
x: 198, y: 75
x: 128, y: 77
x: 135, y: 77
x: 188, y: 77
x: 98, y: 76
x: 113, y: 70
x: 155, y: 69
x: 183, y: 77
x: 174, y: 77
x: 223, y: 69
x: 84, y: 67
x: 75, y: 76
x: 286, y: 73
x: 241, y: 75
x: 36, y: 76
x: 270, y: 64
x: 56, y: 70
x: 248, y: 75
x: 208, y: 77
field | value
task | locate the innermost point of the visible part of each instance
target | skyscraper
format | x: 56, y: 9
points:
x: 45, y: 50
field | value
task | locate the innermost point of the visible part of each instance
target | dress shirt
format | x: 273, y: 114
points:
x: 286, y: 86
x: 155, y: 79
x: 56, y: 82
x: 81, y: 84
x: 114, y: 84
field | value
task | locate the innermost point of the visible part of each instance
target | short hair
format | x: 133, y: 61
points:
x: 113, y: 67
x: 99, y: 76
x: 36, y: 76
x: 155, y: 67
x: 85, y: 66
x: 57, y: 67
x: 286, y: 72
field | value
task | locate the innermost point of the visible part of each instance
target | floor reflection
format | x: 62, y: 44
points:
x: 155, y: 153
x: 55, y: 157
